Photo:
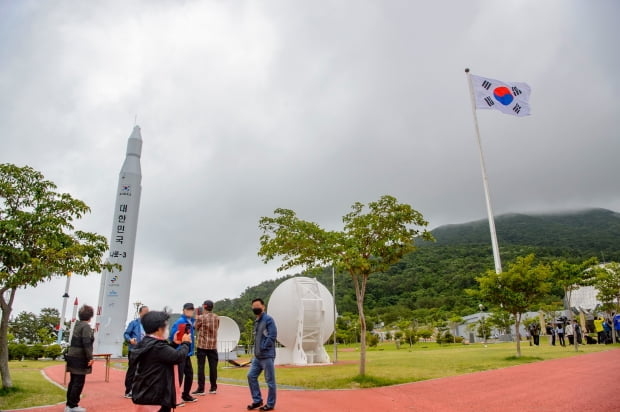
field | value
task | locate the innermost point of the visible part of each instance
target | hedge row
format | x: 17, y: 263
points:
x: 19, y: 351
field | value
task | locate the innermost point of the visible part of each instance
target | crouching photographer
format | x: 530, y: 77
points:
x: 154, y: 385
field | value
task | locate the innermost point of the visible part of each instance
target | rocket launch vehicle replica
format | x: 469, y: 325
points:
x: 115, y: 285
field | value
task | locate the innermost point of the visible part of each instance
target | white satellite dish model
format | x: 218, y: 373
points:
x: 228, y: 335
x: 303, y: 310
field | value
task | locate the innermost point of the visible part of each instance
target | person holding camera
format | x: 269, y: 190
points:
x: 154, y: 383
x: 79, y: 358
x: 185, y: 326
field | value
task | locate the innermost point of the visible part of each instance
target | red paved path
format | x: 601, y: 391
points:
x: 582, y: 383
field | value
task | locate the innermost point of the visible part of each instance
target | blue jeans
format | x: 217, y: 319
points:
x: 259, y: 365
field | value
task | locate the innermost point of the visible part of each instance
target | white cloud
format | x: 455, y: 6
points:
x: 247, y: 106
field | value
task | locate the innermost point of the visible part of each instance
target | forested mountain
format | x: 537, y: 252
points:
x: 429, y: 283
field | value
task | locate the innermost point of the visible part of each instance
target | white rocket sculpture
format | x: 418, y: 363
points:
x: 115, y: 285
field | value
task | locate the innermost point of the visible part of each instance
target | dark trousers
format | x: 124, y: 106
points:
x: 131, y: 371
x: 165, y: 409
x: 571, y: 339
x: 553, y: 340
x: 210, y: 355
x: 186, y: 376
x: 536, y: 339
x: 561, y: 339
x: 74, y: 390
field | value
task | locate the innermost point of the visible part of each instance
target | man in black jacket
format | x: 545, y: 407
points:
x: 154, y: 382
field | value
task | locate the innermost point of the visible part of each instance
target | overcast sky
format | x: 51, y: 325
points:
x: 247, y: 106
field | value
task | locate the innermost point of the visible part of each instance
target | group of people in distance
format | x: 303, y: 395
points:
x: 572, y: 331
x: 159, y: 358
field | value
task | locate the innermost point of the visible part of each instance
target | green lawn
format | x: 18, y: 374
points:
x: 30, y: 387
x: 386, y: 365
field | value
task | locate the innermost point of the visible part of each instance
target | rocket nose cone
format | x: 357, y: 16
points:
x: 136, y: 134
x: 134, y: 144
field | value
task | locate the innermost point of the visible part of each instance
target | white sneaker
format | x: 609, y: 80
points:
x: 76, y: 409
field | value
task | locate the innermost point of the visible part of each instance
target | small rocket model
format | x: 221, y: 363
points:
x: 61, y: 321
x: 73, y: 319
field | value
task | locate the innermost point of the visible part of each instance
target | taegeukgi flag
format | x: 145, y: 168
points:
x: 508, y: 98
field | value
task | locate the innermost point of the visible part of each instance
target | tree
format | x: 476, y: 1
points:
x: 516, y: 289
x: 409, y: 331
x: 370, y: 242
x: 570, y: 277
x: 30, y: 328
x: 454, y: 322
x: 483, y: 328
x: 38, y: 241
x: 47, y: 322
x: 500, y: 320
x: 607, y: 282
x: 25, y: 327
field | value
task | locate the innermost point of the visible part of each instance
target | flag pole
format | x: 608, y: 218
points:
x: 496, y: 257
x: 334, y: 296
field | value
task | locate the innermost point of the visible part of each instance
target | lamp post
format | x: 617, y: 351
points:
x: 484, y: 331
x: 138, y: 305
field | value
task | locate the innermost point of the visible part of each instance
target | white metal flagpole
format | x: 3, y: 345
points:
x: 496, y: 257
x: 335, y: 333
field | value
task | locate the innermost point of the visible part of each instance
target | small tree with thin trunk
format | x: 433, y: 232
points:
x: 517, y: 289
x: 38, y: 241
x: 374, y: 237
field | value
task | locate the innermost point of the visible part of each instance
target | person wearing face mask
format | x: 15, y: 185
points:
x: 265, y: 334
x: 154, y: 383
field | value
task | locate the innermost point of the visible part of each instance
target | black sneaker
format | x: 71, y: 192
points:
x: 199, y: 392
x: 255, y: 405
x: 178, y: 405
x: 189, y: 399
x: 212, y: 391
x: 128, y: 395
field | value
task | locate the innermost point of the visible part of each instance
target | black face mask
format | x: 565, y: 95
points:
x: 257, y: 311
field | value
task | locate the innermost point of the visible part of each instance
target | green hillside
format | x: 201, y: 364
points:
x: 590, y: 231
x: 429, y: 284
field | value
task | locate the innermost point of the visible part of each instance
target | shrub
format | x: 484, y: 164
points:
x: 36, y: 351
x: 17, y: 351
x: 446, y: 337
x: 373, y: 340
x: 53, y: 351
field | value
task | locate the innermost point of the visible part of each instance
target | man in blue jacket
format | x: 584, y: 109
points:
x: 185, y: 325
x: 133, y: 335
x: 265, y: 334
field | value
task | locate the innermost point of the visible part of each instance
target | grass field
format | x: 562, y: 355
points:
x: 387, y: 366
x: 30, y: 388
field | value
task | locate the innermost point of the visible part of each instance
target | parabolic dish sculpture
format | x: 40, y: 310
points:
x: 303, y: 310
x: 228, y: 335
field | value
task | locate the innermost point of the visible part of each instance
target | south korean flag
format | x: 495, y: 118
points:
x: 508, y: 98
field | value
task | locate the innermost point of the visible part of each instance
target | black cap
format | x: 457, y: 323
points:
x: 188, y: 306
x: 208, y: 304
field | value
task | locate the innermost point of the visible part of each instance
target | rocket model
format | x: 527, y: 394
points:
x: 73, y: 319
x: 116, y: 284
x: 61, y: 321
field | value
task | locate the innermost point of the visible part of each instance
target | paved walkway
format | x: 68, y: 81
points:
x: 582, y: 383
